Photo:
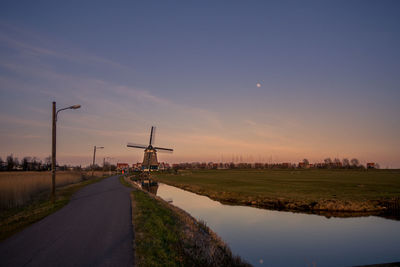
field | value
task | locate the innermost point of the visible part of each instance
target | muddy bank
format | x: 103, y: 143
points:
x: 326, y: 207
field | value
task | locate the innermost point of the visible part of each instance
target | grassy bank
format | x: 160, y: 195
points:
x: 15, y: 219
x: 363, y: 191
x: 167, y: 236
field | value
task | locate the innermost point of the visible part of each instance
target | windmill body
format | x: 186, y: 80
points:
x: 150, y: 162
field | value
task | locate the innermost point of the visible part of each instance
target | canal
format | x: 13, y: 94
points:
x: 275, y: 238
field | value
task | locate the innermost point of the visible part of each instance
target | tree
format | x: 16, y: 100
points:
x: 337, y: 162
x: 47, y: 162
x: 306, y: 162
x: 106, y: 166
x: 328, y: 162
x: 10, y: 162
x: 346, y: 163
x: 355, y: 162
x: 1, y: 163
x: 16, y: 162
x: 25, y: 163
x: 36, y: 163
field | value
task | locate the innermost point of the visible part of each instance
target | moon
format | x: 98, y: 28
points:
x: 258, y: 85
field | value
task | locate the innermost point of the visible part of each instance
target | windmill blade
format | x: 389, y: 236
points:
x: 153, y: 140
x: 136, y: 145
x: 163, y: 149
x: 152, y: 135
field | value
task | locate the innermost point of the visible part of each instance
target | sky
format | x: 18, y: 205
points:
x: 257, y: 81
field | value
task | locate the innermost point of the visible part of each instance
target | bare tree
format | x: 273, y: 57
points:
x: 47, y: 162
x: 328, y: 162
x: 337, y: 162
x: 355, y: 162
x: 36, y: 163
x: 25, y: 163
x: 16, y: 161
x: 10, y: 162
x: 346, y: 163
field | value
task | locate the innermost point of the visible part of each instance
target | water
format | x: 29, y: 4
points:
x: 276, y: 238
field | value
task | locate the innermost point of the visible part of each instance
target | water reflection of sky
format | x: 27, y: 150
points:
x: 272, y: 238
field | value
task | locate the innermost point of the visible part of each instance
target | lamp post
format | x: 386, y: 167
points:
x: 53, y: 148
x: 94, y: 156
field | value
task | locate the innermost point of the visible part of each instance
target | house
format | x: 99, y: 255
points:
x: 371, y: 165
x: 122, y: 167
x: 162, y: 166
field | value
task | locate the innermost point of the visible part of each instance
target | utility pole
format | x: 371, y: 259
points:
x: 94, y: 157
x: 104, y: 165
x: 53, y: 155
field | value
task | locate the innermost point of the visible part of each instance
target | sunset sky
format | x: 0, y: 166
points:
x: 328, y: 74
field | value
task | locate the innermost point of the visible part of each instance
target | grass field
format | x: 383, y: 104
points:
x: 18, y: 188
x: 324, y: 189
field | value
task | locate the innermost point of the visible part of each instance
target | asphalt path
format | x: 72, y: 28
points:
x: 94, y: 229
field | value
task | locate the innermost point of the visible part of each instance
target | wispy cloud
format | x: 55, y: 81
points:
x: 20, y: 136
x: 11, y: 119
x: 45, y: 49
x: 83, y: 87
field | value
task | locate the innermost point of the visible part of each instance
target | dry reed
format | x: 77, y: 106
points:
x: 18, y: 188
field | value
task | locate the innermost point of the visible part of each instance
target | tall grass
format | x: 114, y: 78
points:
x: 18, y: 188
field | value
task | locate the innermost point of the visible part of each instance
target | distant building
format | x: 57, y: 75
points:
x: 303, y: 165
x: 259, y: 165
x: 371, y: 165
x: 137, y: 166
x: 285, y: 165
x: 162, y: 166
x: 122, y: 166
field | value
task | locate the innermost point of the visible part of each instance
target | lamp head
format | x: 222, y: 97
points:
x: 75, y: 107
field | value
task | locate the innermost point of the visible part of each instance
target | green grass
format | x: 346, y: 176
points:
x: 157, y: 233
x: 15, y: 219
x: 122, y: 181
x: 347, y: 185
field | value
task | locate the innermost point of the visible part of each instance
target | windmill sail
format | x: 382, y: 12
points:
x: 161, y: 148
x: 136, y: 145
x: 152, y: 135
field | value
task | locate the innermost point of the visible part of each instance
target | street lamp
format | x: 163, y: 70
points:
x: 94, y: 156
x: 53, y: 148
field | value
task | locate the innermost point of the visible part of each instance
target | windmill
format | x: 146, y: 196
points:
x: 150, y: 162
